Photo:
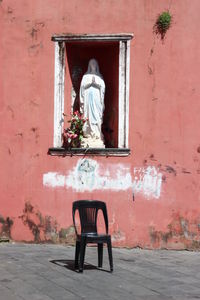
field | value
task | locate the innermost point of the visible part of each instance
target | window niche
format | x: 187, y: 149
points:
x: 72, y: 53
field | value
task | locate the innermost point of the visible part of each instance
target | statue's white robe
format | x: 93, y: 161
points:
x: 92, y: 105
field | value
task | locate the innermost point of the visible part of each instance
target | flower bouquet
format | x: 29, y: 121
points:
x: 73, y: 135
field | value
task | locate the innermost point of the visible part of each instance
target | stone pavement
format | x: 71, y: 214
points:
x: 45, y: 272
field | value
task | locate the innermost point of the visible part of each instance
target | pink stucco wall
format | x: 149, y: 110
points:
x: 153, y: 195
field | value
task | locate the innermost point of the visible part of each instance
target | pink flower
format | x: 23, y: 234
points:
x: 69, y: 134
x: 76, y: 113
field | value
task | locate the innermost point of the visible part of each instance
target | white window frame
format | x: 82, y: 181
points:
x: 124, y: 74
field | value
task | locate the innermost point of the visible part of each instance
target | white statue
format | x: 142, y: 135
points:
x: 92, y: 92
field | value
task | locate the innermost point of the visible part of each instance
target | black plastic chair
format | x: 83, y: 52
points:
x: 88, y: 212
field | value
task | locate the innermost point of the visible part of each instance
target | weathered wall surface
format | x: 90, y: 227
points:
x: 153, y: 195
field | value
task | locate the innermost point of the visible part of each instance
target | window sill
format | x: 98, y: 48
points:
x: 89, y: 151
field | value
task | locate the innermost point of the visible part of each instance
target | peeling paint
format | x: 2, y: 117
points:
x: 67, y: 235
x: 181, y: 233
x: 43, y: 228
x: 87, y: 176
x: 118, y: 236
x: 5, y: 227
x: 148, y: 181
x: 170, y: 170
x: 34, y: 49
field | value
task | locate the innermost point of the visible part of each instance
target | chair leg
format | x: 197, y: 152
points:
x: 82, y: 254
x: 100, y: 255
x: 77, y: 252
x: 109, y: 245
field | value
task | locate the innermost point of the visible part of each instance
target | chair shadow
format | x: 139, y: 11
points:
x: 69, y: 264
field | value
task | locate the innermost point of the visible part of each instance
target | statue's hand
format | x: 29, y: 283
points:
x: 93, y: 79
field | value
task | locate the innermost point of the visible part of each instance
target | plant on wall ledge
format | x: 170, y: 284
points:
x: 163, y: 23
x: 73, y: 135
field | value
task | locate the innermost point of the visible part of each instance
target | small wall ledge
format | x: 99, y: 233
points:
x: 89, y: 151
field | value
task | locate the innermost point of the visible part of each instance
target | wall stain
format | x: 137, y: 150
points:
x: 33, y: 33
x: 9, y: 151
x: 34, y: 103
x: 9, y: 108
x: 35, y: 46
x: 35, y: 29
x: 34, y: 49
x: 67, y: 235
x: 19, y: 134
x: 151, y: 156
x: 139, y: 134
x: 118, y: 235
x: 150, y: 70
x: 5, y: 228
x: 44, y: 228
x: 10, y: 14
x: 170, y: 170
x: 9, y: 10
x: 40, y: 24
x: 145, y: 162
x: 181, y: 234
x: 35, y: 131
x: 151, y: 51
x: 185, y: 171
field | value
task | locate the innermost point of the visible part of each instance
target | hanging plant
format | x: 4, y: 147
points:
x: 163, y: 23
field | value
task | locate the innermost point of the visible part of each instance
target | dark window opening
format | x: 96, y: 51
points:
x: 78, y: 55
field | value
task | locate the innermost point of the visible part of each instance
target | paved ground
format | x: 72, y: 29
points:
x: 45, y: 272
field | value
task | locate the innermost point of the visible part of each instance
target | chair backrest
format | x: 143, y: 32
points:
x: 88, y: 211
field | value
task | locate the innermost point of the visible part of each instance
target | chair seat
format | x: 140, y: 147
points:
x: 93, y: 237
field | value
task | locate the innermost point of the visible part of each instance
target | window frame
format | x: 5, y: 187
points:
x: 123, y: 86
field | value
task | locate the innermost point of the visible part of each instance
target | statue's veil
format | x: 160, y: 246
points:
x: 96, y: 72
